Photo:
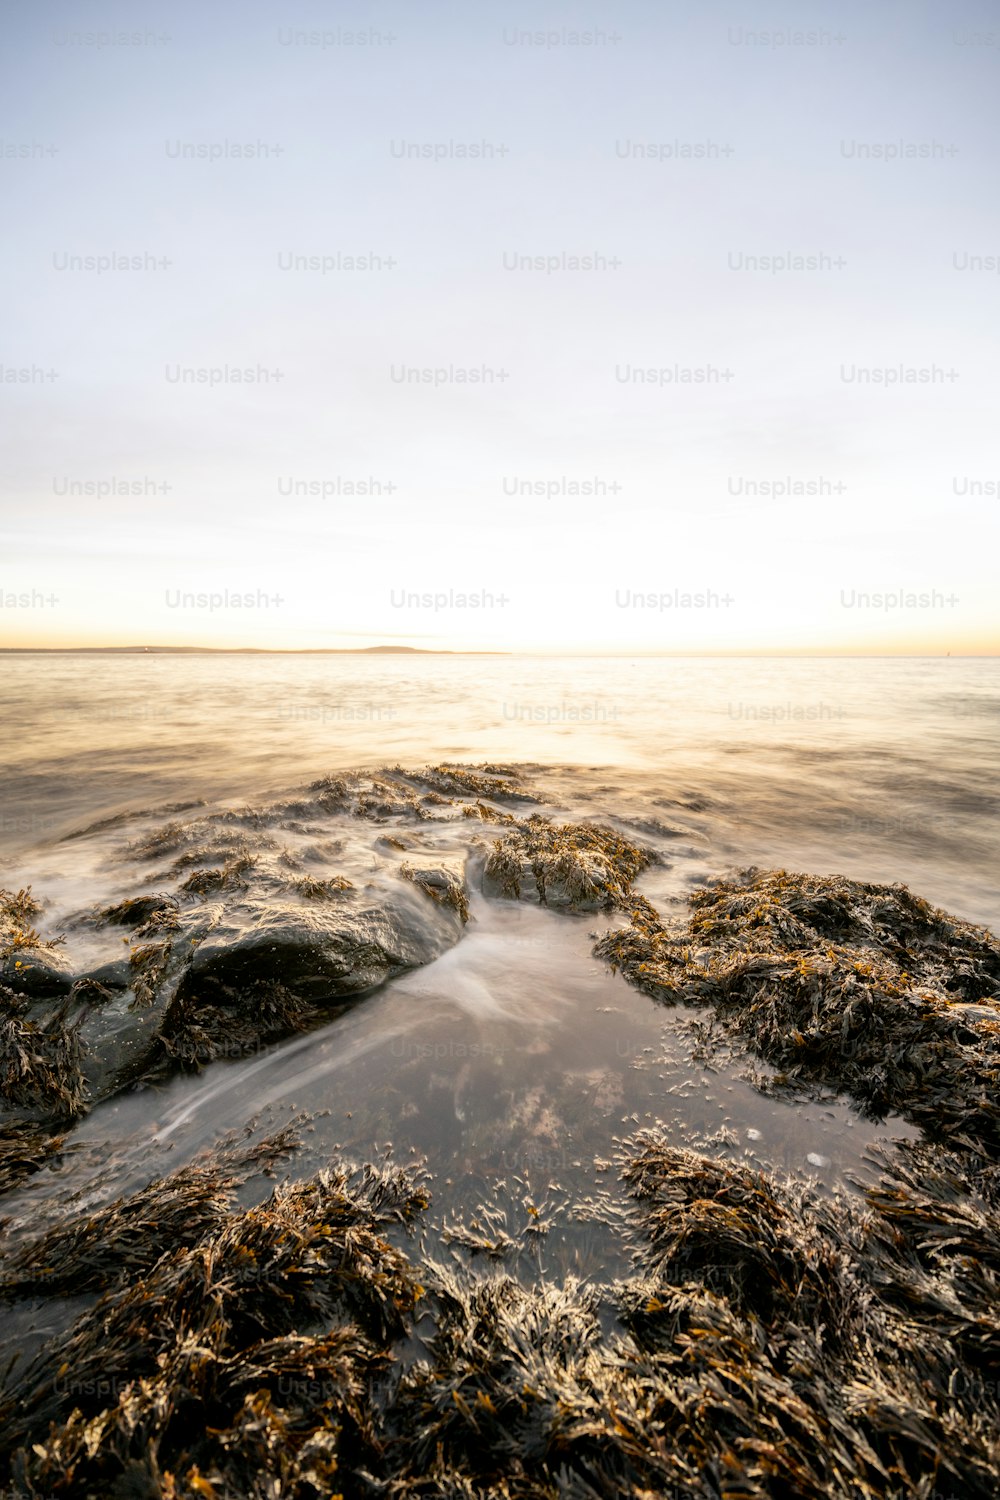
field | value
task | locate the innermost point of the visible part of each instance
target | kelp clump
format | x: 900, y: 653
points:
x: 770, y: 1344
x: 190, y: 1375
x: 146, y: 914
x: 499, y: 783
x: 861, y: 988
x: 41, y: 1061
x: 807, y: 1347
x: 576, y: 866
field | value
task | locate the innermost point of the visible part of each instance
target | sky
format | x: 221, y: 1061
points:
x: 636, y: 327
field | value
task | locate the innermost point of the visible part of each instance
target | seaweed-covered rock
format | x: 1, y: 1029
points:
x: 862, y: 988
x: 572, y: 867
x: 500, y: 783
x: 264, y: 970
x: 147, y: 914
x: 189, y: 1376
x: 234, y: 947
x: 37, y: 973
x: 29, y: 964
x: 41, y: 1073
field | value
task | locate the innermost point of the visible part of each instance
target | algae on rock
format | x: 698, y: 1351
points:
x: 862, y: 988
x: 576, y: 866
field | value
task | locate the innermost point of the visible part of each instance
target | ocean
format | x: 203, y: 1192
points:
x: 881, y: 769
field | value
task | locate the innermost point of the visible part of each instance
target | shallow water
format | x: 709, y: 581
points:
x: 513, y: 1066
x: 514, y: 1062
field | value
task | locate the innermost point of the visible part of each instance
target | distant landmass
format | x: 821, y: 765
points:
x: 247, y: 651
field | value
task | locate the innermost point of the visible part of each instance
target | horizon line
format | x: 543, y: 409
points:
x: 138, y: 650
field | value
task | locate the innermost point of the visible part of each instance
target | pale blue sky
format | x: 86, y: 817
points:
x: 908, y: 518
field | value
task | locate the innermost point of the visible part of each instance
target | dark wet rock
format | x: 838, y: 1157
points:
x: 29, y: 963
x: 90, y: 991
x: 122, y: 1042
x: 574, y: 866
x: 319, y: 951
x: 37, y: 974
x: 212, y: 959
x: 247, y: 971
x: 441, y: 879
x: 116, y: 975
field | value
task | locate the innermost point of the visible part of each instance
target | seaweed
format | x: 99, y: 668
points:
x: 583, y: 866
x: 41, y: 1060
x: 17, y: 935
x: 464, y: 781
x: 228, y: 877
x: 772, y: 1343
x: 146, y: 914
x: 148, y: 966
x: 862, y: 988
x: 188, y: 1376
x: 321, y: 890
x: 25, y: 1147
x: 195, y: 1032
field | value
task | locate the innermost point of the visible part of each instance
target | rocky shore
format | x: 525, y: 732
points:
x: 233, y: 1341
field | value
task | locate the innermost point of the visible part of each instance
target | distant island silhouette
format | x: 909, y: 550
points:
x: 250, y: 651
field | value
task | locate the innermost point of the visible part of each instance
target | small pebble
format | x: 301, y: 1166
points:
x: 815, y: 1160
x: 754, y: 1135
